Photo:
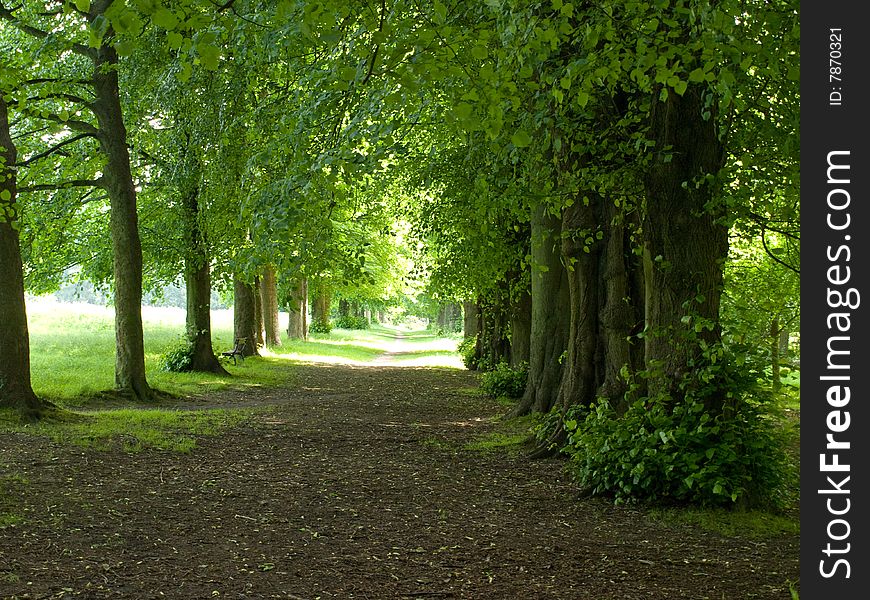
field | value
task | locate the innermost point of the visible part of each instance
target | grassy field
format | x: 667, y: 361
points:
x: 73, y: 349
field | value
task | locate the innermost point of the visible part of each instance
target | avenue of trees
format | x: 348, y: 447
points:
x: 609, y: 190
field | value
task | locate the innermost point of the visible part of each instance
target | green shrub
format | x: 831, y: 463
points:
x: 466, y: 352
x: 320, y: 327
x: 179, y: 358
x: 505, y: 381
x: 351, y: 322
x: 680, y: 451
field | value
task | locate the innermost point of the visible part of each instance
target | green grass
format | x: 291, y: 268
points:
x: 9, y: 485
x: 752, y: 523
x: 73, y: 352
x: 510, y: 436
x: 130, y: 430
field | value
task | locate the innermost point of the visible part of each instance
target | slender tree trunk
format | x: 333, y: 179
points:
x: 16, y: 391
x: 123, y: 222
x: 550, y: 316
x: 197, y: 277
x: 296, y: 328
x: 686, y: 241
x: 244, y: 315
x: 269, y: 298
x: 343, y: 308
x: 774, y: 355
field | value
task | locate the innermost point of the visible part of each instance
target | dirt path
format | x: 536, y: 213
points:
x: 353, y: 484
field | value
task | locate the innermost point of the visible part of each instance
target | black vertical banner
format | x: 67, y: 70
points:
x: 835, y: 301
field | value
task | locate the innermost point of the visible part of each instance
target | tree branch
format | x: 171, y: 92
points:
x: 772, y: 256
x: 51, y: 151
x: 7, y: 14
x: 63, y: 96
x: 75, y: 125
x: 63, y: 185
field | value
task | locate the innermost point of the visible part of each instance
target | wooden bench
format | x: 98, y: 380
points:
x: 238, y: 350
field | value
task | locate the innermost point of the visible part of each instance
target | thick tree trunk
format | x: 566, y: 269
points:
x: 521, y: 329
x: 258, y: 314
x: 685, y: 239
x: 244, y: 315
x: 320, y: 309
x: 470, y: 318
x: 579, y: 382
x: 620, y: 307
x: 16, y: 391
x: 269, y: 299
x: 298, y: 305
x: 123, y: 224
x: 197, y: 277
x: 549, y: 331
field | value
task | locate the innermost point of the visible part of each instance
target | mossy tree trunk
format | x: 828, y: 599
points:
x: 197, y: 278
x: 550, y: 315
x: 297, y: 327
x: 123, y: 221
x: 244, y: 315
x: 686, y: 240
x: 269, y: 299
x: 16, y: 391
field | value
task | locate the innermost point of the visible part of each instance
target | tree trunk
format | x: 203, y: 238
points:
x: 521, y: 329
x: 123, y: 222
x: 297, y: 326
x: 320, y: 309
x: 684, y: 237
x: 774, y: 355
x: 470, y: 318
x: 244, y: 315
x: 258, y: 314
x: 343, y: 308
x: 269, y: 299
x: 549, y: 330
x: 16, y: 391
x: 579, y: 382
x: 197, y: 278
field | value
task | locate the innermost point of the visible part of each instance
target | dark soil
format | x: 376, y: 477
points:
x: 355, y: 483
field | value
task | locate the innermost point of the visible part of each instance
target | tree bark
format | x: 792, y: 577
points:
x: 197, y: 277
x: 123, y: 222
x: 320, y: 309
x: 550, y: 322
x: 521, y: 329
x: 269, y: 298
x: 258, y: 314
x: 470, y: 318
x: 684, y: 236
x: 16, y: 391
x: 297, y: 325
x: 244, y: 315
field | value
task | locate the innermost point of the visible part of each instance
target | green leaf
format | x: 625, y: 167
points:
x: 479, y: 52
x: 582, y: 99
x: 680, y: 87
x: 174, y: 40
x: 83, y: 5
x: 5, y: 195
x: 184, y: 73
x: 463, y: 111
x: 124, y: 48
x: 209, y: 56
x: 521, y: 139
x: 697, y: 75
x: 165, y: 18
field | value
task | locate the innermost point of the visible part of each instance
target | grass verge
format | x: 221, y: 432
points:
x: 130, y: 430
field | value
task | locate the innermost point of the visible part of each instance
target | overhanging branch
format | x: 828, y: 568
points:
x: 54, y: 149
x: 63, y: 185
